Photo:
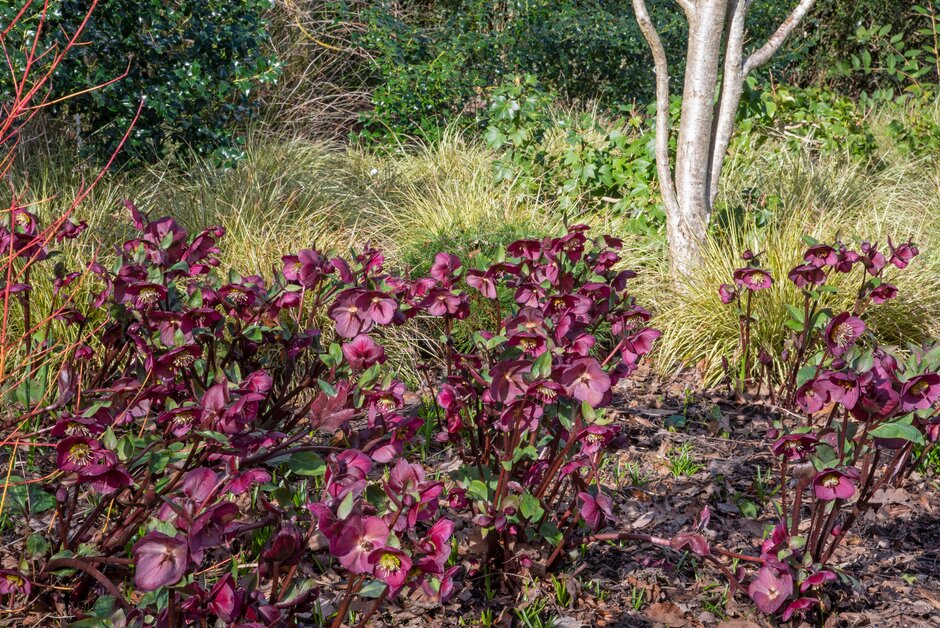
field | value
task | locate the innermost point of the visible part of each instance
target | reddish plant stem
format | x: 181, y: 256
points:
x: 351, y: 588
x: 827, y: 528
x: 796, y: 513
x: 373, y: 609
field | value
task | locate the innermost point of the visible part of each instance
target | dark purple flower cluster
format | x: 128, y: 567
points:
x: 868, y: 410
x: 194, y: 407
x: 523, y: 404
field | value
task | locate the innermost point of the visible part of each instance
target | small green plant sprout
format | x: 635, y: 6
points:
x: 681, y: 462
x: 637, y: 597
x: 764, y: 485
x: 599, y: 591
x: 563, y: 596
x: 638, y: 477
x: 533, y: 615
x: 715, y: 600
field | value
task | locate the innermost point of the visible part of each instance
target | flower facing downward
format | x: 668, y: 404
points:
x: 226, y: 599
x: 391, y: 566
x: 444, y: 267
x: 362, y: 352
x: 726, y: 293
x: 883, y: 293
x: 161, y: 561
x: 595, y: 509
x: 13, y: 582
x: 817, y: 580
x: 771, y: 588
x: 798, y: 607
x: 842, y: 332
x: 807, y: 275
x: 831, y: 484
x: 903, y: 254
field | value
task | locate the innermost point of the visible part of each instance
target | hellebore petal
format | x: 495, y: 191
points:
x: 807, y: 275
x: 444, y: 267
x: 795, y: 447
x: 13, y: 582
x: 391, y: 566
x: 920, y: 392
x: 726, y: 293
x: 798, y: 607
x: 753, y: 279
x: 586, y: 381
x: 771, y: 588
x: 226, y: 599
x: 842, y: 332
x: 357, y: 539
x: 362, y: 352
x: 830, y: 484
x: 161, y: 561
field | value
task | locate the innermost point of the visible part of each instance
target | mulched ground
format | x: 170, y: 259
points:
x: 894, y: 552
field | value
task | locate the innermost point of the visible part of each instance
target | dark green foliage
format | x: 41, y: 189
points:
x: 422, y: 79
x: 198, y: 63
x: 828, y: 37
x: 434, y: 62
x: 889, y: 60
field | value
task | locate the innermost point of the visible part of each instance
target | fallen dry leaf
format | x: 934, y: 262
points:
x: 666, y: 614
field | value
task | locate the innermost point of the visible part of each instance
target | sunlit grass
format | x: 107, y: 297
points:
x: 825, y: 198
x: 418, y: 199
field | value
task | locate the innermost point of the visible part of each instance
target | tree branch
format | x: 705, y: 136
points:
x: 689, y: 7
x: 765, y: 52
x: 661, y: 65
x: 732, y: 87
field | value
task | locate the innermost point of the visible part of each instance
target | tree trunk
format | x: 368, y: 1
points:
x: 716, y: 28
x: 694, y: 149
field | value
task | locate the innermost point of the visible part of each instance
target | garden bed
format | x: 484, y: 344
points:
x: 893, y: 553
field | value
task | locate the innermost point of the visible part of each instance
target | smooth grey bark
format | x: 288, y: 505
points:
x: 690, y: 186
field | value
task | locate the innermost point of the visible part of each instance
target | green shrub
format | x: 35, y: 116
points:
x: 197, y: 63
x: 433, y: 62
x: 423, y: 77
x: 916, y: 129
x: 814, y: 118
x: 579, y: 162
x: 848, y: 44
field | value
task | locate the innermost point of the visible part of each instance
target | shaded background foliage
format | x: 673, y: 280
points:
x: 199, y: 64
x: 387, y: 68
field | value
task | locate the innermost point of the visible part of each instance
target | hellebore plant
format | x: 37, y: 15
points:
x: 523, y: 403
x: 225, y: 440
x: 868, y: 410
x: 201, y: 440
x: 747, y: 280
x: 196, y: 413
